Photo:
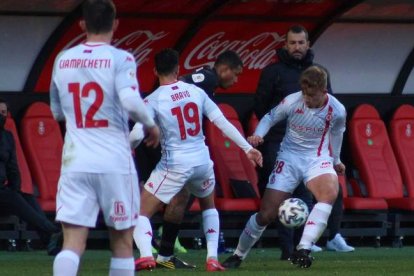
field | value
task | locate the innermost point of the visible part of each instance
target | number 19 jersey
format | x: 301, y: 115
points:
x: 178, y: 109
x: 85, y: 92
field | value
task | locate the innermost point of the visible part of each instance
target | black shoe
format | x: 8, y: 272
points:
x: 174, y: 263
x: 286, y: 255
x: 301, y: 258
x: 55, y: 244
x: 234, y: 261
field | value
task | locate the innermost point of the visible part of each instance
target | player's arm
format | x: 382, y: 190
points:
x: 128, y: 90
x: 214, y: 114
x: 336, y: 138
x: 55, y: 105
x: 277, y: 114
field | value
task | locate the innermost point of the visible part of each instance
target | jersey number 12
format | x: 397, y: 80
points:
x: 77, y: 93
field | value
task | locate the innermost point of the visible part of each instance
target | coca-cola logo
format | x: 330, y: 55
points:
x: 138, y: 43
x: 256, y: 52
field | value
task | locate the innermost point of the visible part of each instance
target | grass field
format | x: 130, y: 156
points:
x: 364, y: 261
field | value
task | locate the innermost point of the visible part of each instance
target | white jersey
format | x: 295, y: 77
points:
x: 178, y: 109
x: 86, y: 84
x: 308, y: 130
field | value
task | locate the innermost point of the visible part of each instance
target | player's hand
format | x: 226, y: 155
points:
x: 340, y: 168
x: 152, y: 137
x: 255, y: 140
x: 255, y: 157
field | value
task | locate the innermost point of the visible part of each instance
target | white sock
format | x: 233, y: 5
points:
x: 143, y: 236
x: 163, y: 258
x: 122, y: 267
x: 315, y: 225
x: 66, y: 263
x: 250, y: 235
x: 211, y: 227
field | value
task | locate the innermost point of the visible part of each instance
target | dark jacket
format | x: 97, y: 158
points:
x: 205, y: 78
x: 277, y: 81
x: 9, y: 169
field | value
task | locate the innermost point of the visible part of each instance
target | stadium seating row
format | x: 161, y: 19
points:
x: 377, y: 191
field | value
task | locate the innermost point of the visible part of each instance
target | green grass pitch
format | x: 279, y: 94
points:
x: 364, y: 261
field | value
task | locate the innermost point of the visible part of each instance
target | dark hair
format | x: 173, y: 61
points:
x: 229, y: 58
x: 314, y: 77
x: 297, y: 29
x: 99, y: 15
x: 166, y: 61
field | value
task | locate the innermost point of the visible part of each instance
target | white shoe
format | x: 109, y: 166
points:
x: 339, y: 244
x: 315, y: 248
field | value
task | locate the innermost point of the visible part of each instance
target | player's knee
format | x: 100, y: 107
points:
x: 266, y: 216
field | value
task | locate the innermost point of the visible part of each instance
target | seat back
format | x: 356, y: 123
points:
x: 42, y: 142
x: 372, y: 154
x: 25, y: 176
x: 230, y: 162
x: 401, y: 131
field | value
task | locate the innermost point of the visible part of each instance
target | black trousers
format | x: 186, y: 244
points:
x: 26, y: 207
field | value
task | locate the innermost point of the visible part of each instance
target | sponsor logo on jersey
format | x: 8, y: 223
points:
x: 325, y: 165
x: 207, y: 184
x: 198, y: 77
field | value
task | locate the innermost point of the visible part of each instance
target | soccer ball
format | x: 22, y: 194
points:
x: 293, y: 212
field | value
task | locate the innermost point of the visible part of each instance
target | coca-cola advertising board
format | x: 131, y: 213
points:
x: 142, y: 37
x: 255, y: 42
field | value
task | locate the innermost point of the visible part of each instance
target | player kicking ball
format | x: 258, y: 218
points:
x: 315, y: 120
x: 178, y: 108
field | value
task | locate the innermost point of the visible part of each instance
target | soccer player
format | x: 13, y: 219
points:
x: 227, y: 67
x: 178, y: 107
x: 94, y: 89
x: 315, y: 120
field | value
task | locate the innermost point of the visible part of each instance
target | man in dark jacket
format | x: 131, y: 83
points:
x: 278, y: 80
x: 12, y: 200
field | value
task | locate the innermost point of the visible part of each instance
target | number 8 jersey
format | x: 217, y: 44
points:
x: 85, y: 92
x: 178, y: 109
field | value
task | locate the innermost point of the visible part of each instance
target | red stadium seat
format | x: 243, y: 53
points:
x: 356, y: 203
x: 42, y: 142
x: 374, y: 158
x: 25, y: 176
x: 231, y: 167
x: 402, y: 136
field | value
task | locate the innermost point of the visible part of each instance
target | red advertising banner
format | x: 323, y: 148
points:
x: 143, y: 37
x: 255, y: 42
x: 281, y: 8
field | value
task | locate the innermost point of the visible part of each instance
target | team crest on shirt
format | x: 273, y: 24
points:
x: 197, y: 77
x: 328, y: 117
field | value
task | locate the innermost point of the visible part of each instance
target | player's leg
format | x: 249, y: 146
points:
x: 77, y: 212
x: 323, y: 184
x: 122, y: 261
x: 282, y: 182
x: 66, y: 263
x: 335, y: 240
x: 118, y: 196
x: 201, y: 185
x: 173, y: 216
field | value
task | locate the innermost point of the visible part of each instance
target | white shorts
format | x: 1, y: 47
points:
x: 80, y: 196
x: 291, y: 170
x: 165, y: 182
